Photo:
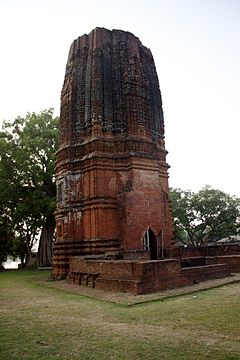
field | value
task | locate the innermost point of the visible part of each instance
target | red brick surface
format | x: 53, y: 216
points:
x: 233, y: 261
x: 112, y: 180
x: 138, y: 277
x: 202, y: 273
x: 142, y: 277
x: 214, y: 250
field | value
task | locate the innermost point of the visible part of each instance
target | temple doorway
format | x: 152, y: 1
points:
x: 151, y: 244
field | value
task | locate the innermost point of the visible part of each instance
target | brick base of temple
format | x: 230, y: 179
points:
x: 142, y: 277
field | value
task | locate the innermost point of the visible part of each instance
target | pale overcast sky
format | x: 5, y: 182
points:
x: 196, y: 47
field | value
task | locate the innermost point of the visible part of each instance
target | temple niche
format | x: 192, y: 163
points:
x: 112, y: 175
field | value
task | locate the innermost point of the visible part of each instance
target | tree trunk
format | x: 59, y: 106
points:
x: 22, y: 258
x: 44, y: 255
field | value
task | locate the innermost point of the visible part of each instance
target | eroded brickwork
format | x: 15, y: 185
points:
x: 112, y: 180
x: 142, y: 277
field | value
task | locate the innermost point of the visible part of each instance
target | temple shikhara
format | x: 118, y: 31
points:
x: 114, y: 225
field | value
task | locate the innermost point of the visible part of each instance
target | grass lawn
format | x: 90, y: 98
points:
x: 39, y: 322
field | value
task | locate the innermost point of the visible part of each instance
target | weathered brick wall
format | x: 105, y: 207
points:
x: 112, y: 180
x: 214, y: 250
x: 142, y: 277
x: 203, y: 273
x: 233, y: 261
x: 193, y: 261
x: 138, y: 277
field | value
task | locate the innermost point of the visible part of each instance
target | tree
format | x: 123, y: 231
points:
x: 204, y: 217
x: 6, y: 240
x: 27, y: 183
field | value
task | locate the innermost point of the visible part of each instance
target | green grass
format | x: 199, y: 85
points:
x: 40, y: 322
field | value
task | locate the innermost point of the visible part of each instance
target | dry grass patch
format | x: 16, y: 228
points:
x: 38, y: 322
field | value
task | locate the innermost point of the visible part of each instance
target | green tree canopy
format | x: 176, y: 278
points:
x: 204, y: 217
x: 27, y: 183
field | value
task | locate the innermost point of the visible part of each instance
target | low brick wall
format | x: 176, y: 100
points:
x: 214, y: 250
x: 233, y: 261
x: 136, y: 255
x: 198, y: 274
x: 142, y: 277
x: 138, y: 277
x: 193, y: 261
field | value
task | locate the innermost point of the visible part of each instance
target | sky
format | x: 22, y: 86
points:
x: 196, y: 48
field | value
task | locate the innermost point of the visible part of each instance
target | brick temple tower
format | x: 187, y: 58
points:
x: 112, y: 180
